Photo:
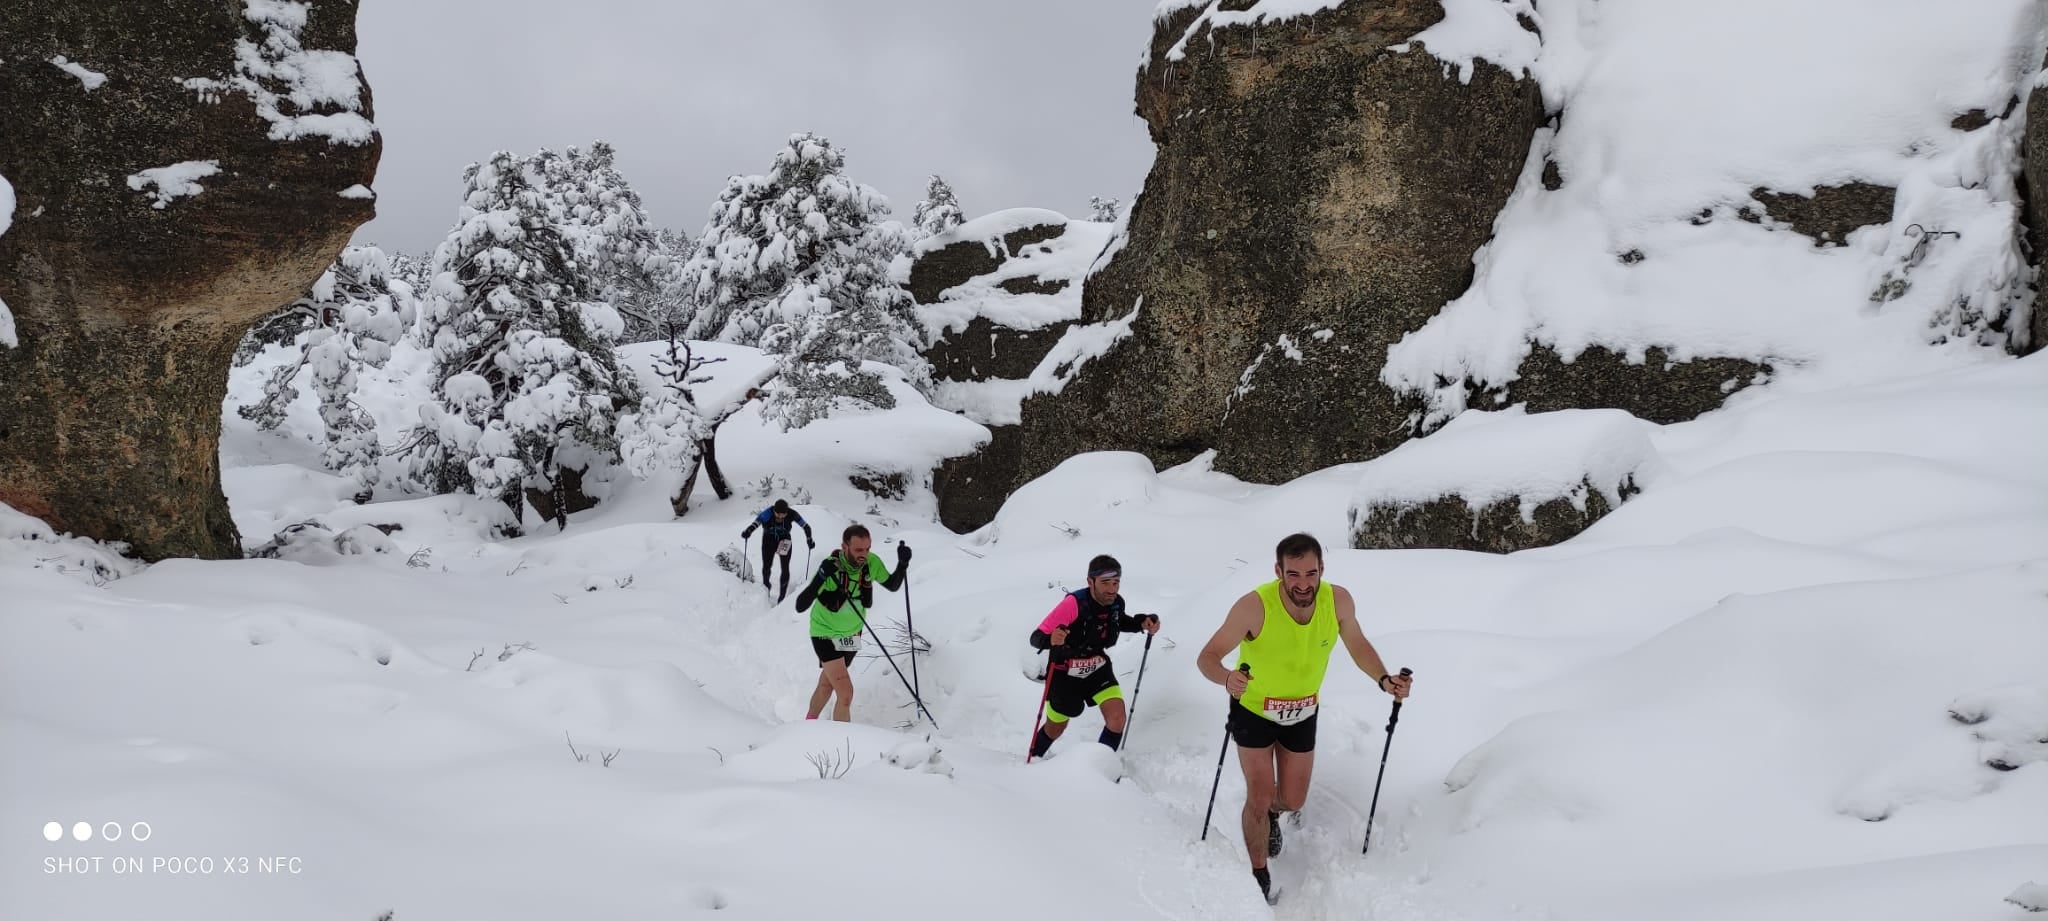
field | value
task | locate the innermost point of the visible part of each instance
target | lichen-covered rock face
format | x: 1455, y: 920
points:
x: 1315, y: 196
x: 1659, y: 388
x: 1451, y: 523
x: 1830, y: 214
x: 180, y: 173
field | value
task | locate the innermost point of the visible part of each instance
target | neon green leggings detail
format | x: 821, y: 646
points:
x: 1113, y: 692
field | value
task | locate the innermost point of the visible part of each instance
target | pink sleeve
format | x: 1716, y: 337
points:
x: 1062, y: 615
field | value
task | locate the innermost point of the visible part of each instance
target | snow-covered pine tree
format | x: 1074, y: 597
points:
x: 797, y: 262
x: 598, y: 210
x: 938, y: 212
x: 857, y: 314
x: 376, y: 312
x: 281, y: 328
x: 1104, y: 210
x: 527, y: 386
x: 349, y: 319
x: 652, y: 300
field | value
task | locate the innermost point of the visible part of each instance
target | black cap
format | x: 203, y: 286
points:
x: 782, y: 505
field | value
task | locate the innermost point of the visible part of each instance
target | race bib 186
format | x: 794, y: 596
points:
x: 1290, y: 710
x: 1082, y: 668
x: 846, y: 643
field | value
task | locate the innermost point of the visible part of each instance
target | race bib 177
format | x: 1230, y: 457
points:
x: 1290, y: 710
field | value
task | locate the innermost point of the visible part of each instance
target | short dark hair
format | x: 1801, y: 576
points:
x: 853, y: 531
x: 782, y: 505
x: 1103, y: 563
x: 1297, y: 544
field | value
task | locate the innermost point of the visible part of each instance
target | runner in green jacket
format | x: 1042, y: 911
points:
x: 838, y: 599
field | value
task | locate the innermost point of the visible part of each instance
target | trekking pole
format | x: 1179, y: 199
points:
x: 747, y: 557
x: 892, y: 661
x: 1131, y: 716
x: 1392, y: 718
x: 910, y: 625
x: 1038, y: 719
x: 1218, y: 782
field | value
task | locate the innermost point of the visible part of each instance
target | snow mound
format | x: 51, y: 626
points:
x: 919, y: 757
x: 29, y: 542
x: 1587, y: 761
x: 315, y: 543
x: 1073, y: 500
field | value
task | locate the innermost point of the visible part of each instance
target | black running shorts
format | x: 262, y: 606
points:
x: 827, y: 651
x: 1250, y: 730
x: 1070, y: 696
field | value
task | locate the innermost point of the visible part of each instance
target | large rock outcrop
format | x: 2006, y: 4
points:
x: 1316, y: 195
x: 999, y: 297
x: 178, y: 173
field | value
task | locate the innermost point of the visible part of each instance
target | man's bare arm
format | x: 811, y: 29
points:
x: 1362, y: 652
x: 1245, y: 616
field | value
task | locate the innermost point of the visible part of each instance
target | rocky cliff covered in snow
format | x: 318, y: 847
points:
x: 1367, y: 216
x: 176, y: 174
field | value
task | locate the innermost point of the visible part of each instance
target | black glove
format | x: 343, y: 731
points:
x: 902, y: 554
x: 810, y: 544
x: 749, y: 532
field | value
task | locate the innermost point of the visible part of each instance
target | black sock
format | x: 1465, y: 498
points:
x: 1264, y: 877
x: 1040, y: 743
x: 1110, y: 738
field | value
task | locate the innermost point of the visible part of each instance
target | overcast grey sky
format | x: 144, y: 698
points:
x: 1018, y: 103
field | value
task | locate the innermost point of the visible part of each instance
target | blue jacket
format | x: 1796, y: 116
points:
x: 773, y: 533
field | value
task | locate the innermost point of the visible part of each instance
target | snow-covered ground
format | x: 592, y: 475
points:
x: 1740, y: 695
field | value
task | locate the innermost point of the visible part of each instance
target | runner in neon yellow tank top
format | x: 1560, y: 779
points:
x: 1285, y: 631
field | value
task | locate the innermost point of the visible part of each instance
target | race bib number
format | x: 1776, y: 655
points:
x: 1082, y: 668
x: 784, y: 549
x: 846, y: 643
x: 1290, y: 710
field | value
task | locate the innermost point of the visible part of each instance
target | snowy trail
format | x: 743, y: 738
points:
x: 1576, y: 706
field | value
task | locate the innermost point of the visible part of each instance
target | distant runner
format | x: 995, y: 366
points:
x: 778, y: 521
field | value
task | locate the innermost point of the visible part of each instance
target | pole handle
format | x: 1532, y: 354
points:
x: 1394, y: 715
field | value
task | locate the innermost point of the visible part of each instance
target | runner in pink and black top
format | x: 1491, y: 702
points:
x: 1079, y: 632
